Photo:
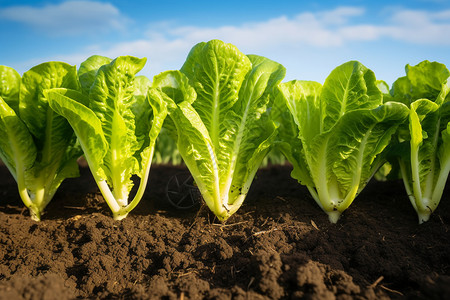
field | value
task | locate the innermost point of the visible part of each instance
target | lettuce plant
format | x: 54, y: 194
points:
x: 38, y: 146
x: 424, y: 144
x: 218, y: 103
x: 166, y: 150
x: 334, y: 135
x: 116, y: 125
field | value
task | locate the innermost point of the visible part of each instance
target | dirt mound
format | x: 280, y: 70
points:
x: 279, y: 245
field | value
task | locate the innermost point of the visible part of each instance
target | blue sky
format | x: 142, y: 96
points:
x: 309, y: 38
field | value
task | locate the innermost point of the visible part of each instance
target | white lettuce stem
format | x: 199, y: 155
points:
x: 321, y: 185
x: 415, y: 176
x: 43, y: 193
x: 326, y: 193
x: 425, y: 201
x: 237, y: 202
x: 425, y: 206
x: 38, y: 196
x: 437, y: 192
x: 119, y: 210
x: 405, y: 177
x: 441, y: 181
x: 34, y: 203
x: 315, y: 196
x: 429, y: 182
x: 413, y: 193
x: 103, y: 186
x: 423, y: 216
x: 229, y: 210
x: 219, y: 208
x: 350, y: 196
x: 108, y: 195
x: 141, y: 189
x: 35, y: 211
x: 334, y: 216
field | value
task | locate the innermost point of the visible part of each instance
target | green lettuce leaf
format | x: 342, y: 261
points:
x: 249, y: 133
x: 348, y: 87
x: 288, y: 141
x: 88, y: 70
x: 425, y: 163
x: 17, y: 149
x: 117, y: 127
x: 143, y: 114
x: 348, y: 154
x: 337, y: 133
x: 421, y: 81
x: 10, y: 87
x: 38, y: 146
x: 216, y: 70
x: 72, y: 105
x: 193, y: 140
x: 218, y: 107
x: 111, y: 98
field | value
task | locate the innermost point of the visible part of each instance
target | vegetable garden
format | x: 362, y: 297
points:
x: 273, y: 170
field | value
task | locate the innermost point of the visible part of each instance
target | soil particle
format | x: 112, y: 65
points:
x: 279, y: 245
x: 42, y: 287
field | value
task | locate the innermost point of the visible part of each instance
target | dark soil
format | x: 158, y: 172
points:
x: 279, y: 245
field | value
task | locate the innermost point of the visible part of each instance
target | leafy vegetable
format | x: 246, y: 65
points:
x: 218, y: 106
x: 334, y: 135
x: 115, y: 125
x: 166, y: 151
x: 38, y: 146
x: 424, y: 149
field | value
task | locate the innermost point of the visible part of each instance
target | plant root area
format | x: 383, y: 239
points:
x: 279, y: 245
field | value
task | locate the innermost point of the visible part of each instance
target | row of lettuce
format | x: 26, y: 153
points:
x: 224, y: 111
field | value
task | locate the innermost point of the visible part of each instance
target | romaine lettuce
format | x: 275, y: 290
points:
x: 423, y: 151
x: 218, y: 110
x: 37, y: 145
x: 334, y: 134
x: 115, y: 124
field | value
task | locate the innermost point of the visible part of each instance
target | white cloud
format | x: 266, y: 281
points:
x: 167, y: 45
x: 419, y: 27
x: 359, y: 33
x: 340, y: 15
x: 323, y: 29
x: 304, y: 29
x: 68, y: 18
x: 302, y: 38
x: 329, y: 28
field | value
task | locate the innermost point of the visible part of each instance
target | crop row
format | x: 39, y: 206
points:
x: 224, y: 111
